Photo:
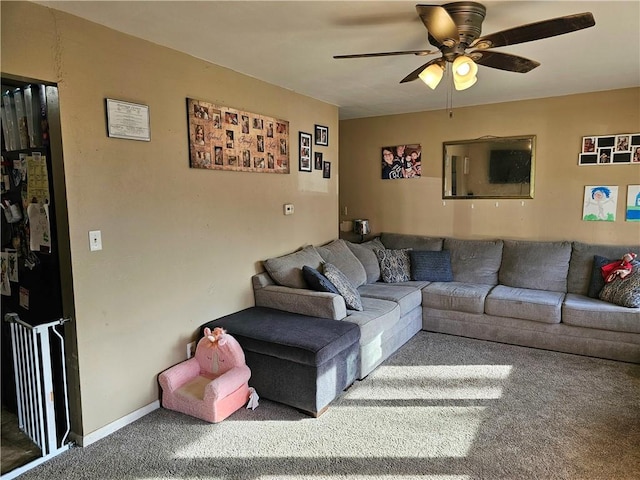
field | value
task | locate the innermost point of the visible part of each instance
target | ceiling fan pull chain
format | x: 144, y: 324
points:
x: 449, y: 93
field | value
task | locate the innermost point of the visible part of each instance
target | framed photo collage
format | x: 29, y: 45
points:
x: 223, y: 138
x: 610, y: 149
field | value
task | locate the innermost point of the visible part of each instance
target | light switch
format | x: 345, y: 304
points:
x: 288, y: 209
x: 95, y: 240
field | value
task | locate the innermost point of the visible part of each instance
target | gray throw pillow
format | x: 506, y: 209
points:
x: 343, y: 285
x: 365, y: 252
x: 624, y: 291
x: 338, y: 253
x: 287, y: 269
x: 395, y: 265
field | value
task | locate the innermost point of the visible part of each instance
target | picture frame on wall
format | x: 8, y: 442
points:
x: 326, y: 170
x: 610, y: 149
x: 225, y: 138
x: 304, y: 150
x: 317, y: 160
x: 322, y: 135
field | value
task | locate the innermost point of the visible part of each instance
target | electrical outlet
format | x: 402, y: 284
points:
x: 288, y: 208
x: 191, y: 349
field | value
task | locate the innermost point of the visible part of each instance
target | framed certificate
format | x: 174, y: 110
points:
x: 127, y: 120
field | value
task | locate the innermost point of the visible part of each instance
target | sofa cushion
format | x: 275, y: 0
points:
x: 318, y: 281
x: 526, y: 304
x: 395, y: 265
x: 287, y: 269
x: 407, y: 297
x: 582, y: 311
x: 337, y: 253
x: 475, y: 261
x: 344, y: 286
x: 463, y: 297
x: 581, y: 263
x: 624, y: 291
x: 535, y: 265
x: 431, y: 266
x: 396, y: 241
x: 365, y: 252
x: 377, y: 317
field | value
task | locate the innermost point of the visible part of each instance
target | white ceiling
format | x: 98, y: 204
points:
x: 291, y: 44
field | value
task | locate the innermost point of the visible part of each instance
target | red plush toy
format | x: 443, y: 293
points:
x: 619, y: 268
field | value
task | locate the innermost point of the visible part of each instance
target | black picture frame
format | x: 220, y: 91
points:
x: 322, y: 135
x: 317, y: 160
x: 304, y: 152
x: 326, y: 169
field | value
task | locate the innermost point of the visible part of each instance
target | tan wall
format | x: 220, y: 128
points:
x: 179, y: 244
x: 416, y: 206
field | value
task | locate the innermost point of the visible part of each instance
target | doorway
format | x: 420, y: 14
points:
x: 37, y: 283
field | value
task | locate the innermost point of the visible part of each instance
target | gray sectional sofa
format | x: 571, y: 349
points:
x: 520, y: 292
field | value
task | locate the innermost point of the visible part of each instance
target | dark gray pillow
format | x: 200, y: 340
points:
x: 347, y: 290
x: 431, y: 266
x: 597, y: 280
x: 395, y: 265
x: 624, y: 291
x: 318, y: 281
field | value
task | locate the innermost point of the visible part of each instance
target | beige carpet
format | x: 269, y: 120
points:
x: 443, y: 407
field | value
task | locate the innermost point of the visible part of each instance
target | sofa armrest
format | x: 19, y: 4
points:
x: 299, y: 300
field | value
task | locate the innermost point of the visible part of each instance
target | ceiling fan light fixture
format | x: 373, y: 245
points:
x: 464, y: 84
x: 464, y: 68
x: 432, y: 75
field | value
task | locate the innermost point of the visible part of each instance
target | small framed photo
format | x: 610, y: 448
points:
x: 305, y: 152
x: 322, y: 135
x: 317, y: 160
x: 326, y: 170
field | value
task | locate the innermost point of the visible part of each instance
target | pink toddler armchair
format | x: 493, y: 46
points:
x: 211, y: 385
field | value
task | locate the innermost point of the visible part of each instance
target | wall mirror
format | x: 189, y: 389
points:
x: 489, y: 167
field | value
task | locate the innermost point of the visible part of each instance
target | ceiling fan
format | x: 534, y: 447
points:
x: 456, y: 27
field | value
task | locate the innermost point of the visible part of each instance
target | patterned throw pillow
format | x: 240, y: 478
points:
x: 624, y: 291
x: 395, y: 265
x: 431, y: 266
x: 345, y: 288
x: 318, y: 281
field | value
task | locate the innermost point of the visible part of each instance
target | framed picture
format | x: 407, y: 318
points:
x: 127, y: 120
x: 317, y: 161
x: 610, y: 149
x: 402, y: 161
x: 305, y: 152
x: 224, y: 138
x: 326, y: 170
x: 322, y: 135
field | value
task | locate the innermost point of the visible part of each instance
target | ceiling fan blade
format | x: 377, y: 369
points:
x: 503, y: 61
x: 414, y: 75
x: 388, y: 54
x: 439, y: 23
x: 536, y: 31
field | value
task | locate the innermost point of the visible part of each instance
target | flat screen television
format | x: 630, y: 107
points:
x: 510, y: 166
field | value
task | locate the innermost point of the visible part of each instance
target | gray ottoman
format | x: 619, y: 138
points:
x: 301, y: 361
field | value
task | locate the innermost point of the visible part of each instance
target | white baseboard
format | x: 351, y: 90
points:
x: 86, y: 440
